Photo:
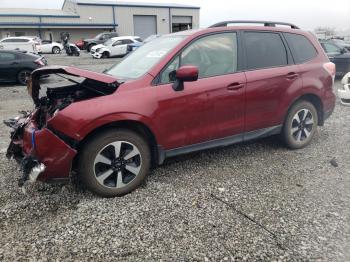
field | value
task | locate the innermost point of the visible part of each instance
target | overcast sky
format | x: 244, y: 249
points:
x: 304, y: 13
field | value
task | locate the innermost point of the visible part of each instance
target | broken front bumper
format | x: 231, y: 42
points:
x: 42, y: 154
x: 97, y: 55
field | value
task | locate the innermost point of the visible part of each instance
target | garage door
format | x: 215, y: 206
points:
x: 145, y: 25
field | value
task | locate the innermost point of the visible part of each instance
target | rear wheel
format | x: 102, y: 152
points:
x: 114, y: 162
x: 56, y: 50
x: 23, y: 76
x: 300, y: 125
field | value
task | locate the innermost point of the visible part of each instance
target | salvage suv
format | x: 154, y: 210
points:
x: 180, y: 93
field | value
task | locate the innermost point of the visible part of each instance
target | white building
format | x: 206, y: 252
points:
x: 86, y: 18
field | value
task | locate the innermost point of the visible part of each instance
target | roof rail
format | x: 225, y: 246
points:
x: 265, y: 23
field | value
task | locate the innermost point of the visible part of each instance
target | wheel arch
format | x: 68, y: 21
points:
x: 105, y: 50
x: 55, y: 46
x: 315, y: 100
x: 133, y: 125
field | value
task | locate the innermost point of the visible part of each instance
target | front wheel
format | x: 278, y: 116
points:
x: 114, y: 163
x: 300, y: 125
x: 89, y: 47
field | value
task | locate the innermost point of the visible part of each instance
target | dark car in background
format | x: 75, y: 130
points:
x: 338, y: 55
x: 99, y: 39
x: 340, y: 42
x: 16, y: 66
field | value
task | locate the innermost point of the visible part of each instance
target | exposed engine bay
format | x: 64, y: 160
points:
x: 58, y: 98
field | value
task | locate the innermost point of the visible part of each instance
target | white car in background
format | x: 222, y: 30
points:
x: 344, y: 93
x: 116, y: 46
x: 22, y: 43
x: 50, y: 47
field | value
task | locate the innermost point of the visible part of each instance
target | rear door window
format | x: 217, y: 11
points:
x: 302, y: 49
x: 264, y: 50
x: 127, y: 41
x: 20, y: 40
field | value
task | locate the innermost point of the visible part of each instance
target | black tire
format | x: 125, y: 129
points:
x: 105, y: 54
x: 300, y: 125
x: 76, y: 53
x: 103, y: 144
x: 56, y: 50
x: 22, y: 76
x: 88, y: 48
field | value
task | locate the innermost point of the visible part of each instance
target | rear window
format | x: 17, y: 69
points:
x: 265, y: 50
x: 303, y: 50
x: 16, y: 40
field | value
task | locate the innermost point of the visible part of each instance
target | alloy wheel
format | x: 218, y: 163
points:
x: 117, y: 164
x: 56, y: 50
x: 302, y: 125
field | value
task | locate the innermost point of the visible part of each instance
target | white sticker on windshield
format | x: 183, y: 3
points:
x: 158, y: 53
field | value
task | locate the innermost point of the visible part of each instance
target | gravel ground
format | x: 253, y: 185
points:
x: 252, y: 201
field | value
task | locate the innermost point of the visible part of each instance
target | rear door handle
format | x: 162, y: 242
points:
x: 14, y: 63
x: 235, y: 86
x: 292, y: 76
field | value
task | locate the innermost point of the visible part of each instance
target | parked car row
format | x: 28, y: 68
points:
x: 31, y: 44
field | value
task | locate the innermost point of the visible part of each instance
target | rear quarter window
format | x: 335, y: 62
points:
x: 302, y: 49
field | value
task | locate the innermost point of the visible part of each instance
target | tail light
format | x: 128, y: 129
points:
x: 330, y: 68
x: 39, y: 61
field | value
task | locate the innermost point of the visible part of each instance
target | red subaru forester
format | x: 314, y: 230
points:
x: 177, y: 94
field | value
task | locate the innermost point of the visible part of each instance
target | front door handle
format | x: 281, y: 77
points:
x: 292, y: 76
x: 235, y: 86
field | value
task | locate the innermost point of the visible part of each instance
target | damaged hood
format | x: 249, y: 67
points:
x: 33, y: 85
x: 95, y: 47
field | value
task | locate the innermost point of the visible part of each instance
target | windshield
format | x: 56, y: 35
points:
x: 144, y: 58
x: 99, y: 36
x: 108, y: 42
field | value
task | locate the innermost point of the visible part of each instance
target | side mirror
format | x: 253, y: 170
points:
x: 186, y: 73
x: 343, y: 50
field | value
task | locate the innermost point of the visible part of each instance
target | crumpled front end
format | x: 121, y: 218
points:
x: 41, y: 154
x: 46, y: 153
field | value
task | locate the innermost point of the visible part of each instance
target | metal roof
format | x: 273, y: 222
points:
x: 36, y: 12
x: 134, y: 4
